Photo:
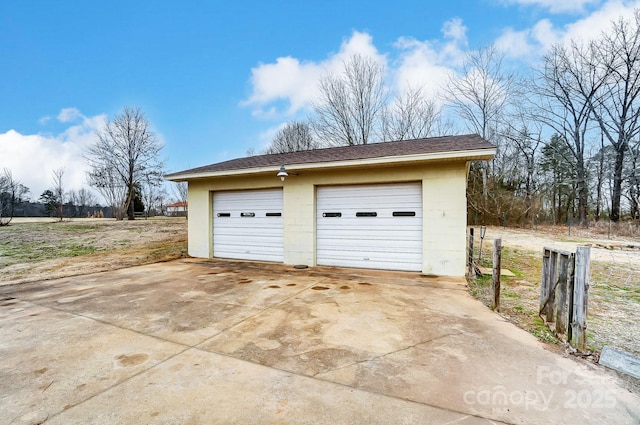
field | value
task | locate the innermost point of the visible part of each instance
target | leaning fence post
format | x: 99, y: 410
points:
x: 470, y: 271
x: 544, y: 281
x: 495, y: 283
x: 581, y: 297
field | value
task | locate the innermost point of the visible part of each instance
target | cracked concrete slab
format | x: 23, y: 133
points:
x: 196, y: 341
x: 206, y: 388
x: 51, y: 360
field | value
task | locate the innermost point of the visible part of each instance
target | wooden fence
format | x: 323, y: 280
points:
x: 473, y: 268
x: 564, y: 292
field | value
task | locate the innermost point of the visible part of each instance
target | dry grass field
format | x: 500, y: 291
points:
x: 614, y: 293
x: 38, y: 249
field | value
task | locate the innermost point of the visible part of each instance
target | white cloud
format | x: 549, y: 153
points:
x: 531, y: 42
x: 600, y: 20
x: 286, y: 79
x: 69, y: 114
x: 283, y: 89
x: 33, y: 157
x: 535, y: 41
x: 287, y: 86
x: 455, y: 30
x: 295, y: 82
x: 555, y: 6
x: 427, y: 63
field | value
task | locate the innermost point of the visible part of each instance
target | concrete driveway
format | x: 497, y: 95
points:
x: 202, y: 342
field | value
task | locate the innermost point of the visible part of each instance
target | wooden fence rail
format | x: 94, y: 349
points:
x: 564, y: 291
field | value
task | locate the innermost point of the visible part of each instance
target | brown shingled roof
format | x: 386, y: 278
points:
x: 345, y: 153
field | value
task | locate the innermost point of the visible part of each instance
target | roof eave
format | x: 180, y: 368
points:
x: 468, y: 155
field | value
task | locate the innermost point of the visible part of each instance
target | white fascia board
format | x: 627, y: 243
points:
x: 470, y: 155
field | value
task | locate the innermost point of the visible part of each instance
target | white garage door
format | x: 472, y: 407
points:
x: 247, y: 225
x: 370, y: 226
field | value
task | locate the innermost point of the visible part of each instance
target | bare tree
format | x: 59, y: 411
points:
x: 86, y: 199
x: 482, y: 92
x: 72, y: 200
x: 599, y: 164
x: 58, y: 192
x: 112, y: 189
x: 634, y: 178
x: 150, y: 189
x: 81, y: 200
x: 520, y: 156
x: 349, y: 109
x: 181, y: 191
x: 125, y: 152
x: 181, y: 194
x: 11, y: 194
x: 411, y: 116
x: 294, y: 136
x: 564, y: 90
x: 615, y: 58
x: 161, y: 201
x: 480, y: 95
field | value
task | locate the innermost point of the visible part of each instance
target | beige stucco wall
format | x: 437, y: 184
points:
x: 444, y: 209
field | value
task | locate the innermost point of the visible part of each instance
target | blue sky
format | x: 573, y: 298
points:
x: 218, y: 78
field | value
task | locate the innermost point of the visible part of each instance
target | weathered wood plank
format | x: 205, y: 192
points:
x: 544, y: 281
x: 561, y: 295
x: 570, y: 289
x: 552, y: 282
x: 581, y: 297
x: 559, y: 251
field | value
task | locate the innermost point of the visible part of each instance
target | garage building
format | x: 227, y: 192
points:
x: 391, y: 206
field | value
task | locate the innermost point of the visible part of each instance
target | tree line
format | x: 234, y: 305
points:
x: 54, y: 202
x: 566, y: 130
x: 124, y: 167
x: 61, y: 203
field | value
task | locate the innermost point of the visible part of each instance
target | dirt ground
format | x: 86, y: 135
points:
x: 614, y: 293
x: 624, y: 251
x: 33, y: 249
